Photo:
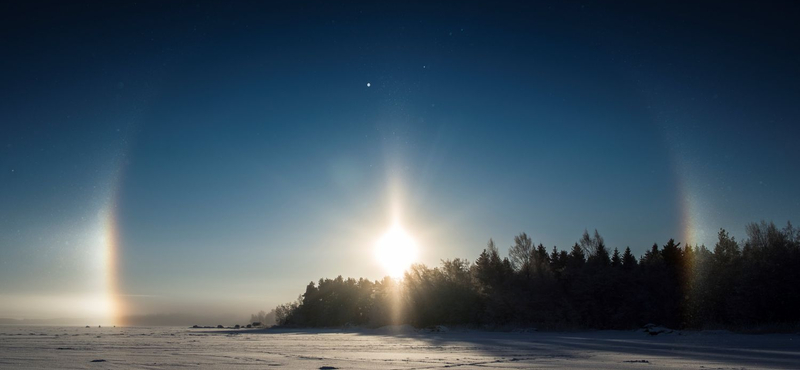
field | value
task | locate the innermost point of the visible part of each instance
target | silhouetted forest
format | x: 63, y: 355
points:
x: 751, y: 283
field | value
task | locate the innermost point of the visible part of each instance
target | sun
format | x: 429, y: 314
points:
x: 396, y: 250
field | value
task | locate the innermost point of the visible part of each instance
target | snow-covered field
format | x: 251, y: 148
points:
x: 147, y: 348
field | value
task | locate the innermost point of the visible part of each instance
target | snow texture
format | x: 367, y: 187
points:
x: 387, y: 348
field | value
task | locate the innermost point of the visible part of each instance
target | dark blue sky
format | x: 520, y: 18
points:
x: 236, y: 151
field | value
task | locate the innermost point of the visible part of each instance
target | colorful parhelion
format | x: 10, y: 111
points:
x: 112, y: 302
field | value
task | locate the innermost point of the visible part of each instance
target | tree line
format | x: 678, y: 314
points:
x: 737, y: 284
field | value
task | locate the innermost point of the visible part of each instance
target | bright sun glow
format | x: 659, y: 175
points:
x: 396, y: 251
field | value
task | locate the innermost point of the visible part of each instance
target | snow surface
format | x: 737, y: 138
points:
x: 398, y: 348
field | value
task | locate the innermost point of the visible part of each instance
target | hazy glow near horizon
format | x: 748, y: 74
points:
x: 396, y: 251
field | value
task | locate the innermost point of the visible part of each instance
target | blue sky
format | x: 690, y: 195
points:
x: 242, y: 154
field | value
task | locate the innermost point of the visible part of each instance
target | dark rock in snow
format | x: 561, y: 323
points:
x: 652, y: 329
